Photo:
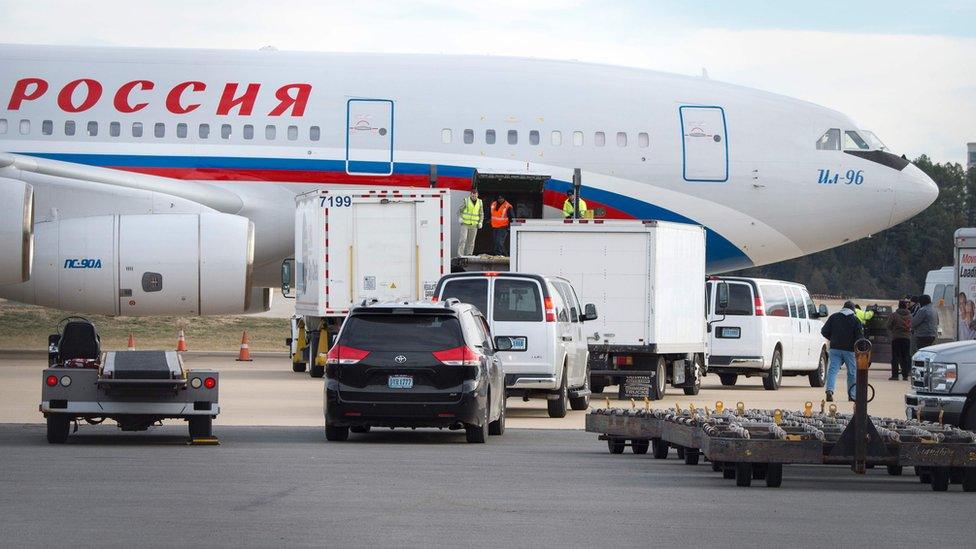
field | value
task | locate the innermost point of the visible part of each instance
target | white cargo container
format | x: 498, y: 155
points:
x: 647, y: 279
x: 352, y: 245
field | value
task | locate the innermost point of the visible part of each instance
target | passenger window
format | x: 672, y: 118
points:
x: 136, y: 129
x: 3, y: 125
x: 621, y: 139
x: 854, y: 141
x: 92, y: 129
x: 446, y: 136
x: 490, y: 137
x: 115, y: 129
x: 775, y: 298
x: 225, y: 131
x: 468, y: 137
x: 181, y: 130
x: 938, y: 293
x: 204, y: 131
x: 534, y: 137
x: 741, y: 302
x: 314, y: 133
x: 159, y: 130
x: 473, y: 291
x: 270, y: 132
x: 24, y: 127
x: 292, y: 133
x: 248, y: 132
x: 829, y: 141
x: 567, y: 296
x: 517, y: 301
x: 558, y: 303
x: 577, y: 139
x: 600, y: 139
x: 801, y: 307
x: 643, y: 140
x: 513, y: 137
x: 809, y: 303
x: 557, y: 138
x: 791, y: 299
x: 47, y: 127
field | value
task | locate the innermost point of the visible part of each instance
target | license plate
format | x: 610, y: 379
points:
x: 400, y: 382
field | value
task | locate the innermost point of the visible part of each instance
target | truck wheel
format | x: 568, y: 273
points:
x: 660, y: 386
x: 58, y: 427
x: 582, y: 403
x: 774, y: 475
x: 818, y: 377
x: 940, y: 479
x: 639, y: 446
x: 696, y: 385
x: 660, y: 448
x: 298, y: 366
x: 200, y: 426
x: 772, y: 380
x: 615, y: 445
x: 728, y: 380
x: 557, y: 407
x: 743, y: 474
x: 478, y: 434
x: 336, y: 434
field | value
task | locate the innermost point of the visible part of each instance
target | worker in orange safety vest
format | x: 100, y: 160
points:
x: 501, y: 217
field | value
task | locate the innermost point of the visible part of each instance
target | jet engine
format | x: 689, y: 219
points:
x: 139, y: 265
x: 16, y: 230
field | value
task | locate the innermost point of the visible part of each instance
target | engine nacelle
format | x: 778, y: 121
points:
x: 16, y: 230
x: 140, y: 265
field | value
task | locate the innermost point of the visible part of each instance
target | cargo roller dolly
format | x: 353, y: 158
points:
x: 747, y: 444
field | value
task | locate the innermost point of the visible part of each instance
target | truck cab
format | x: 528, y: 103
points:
x: 944, y: 384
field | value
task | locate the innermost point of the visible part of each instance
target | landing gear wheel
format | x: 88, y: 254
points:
x: 743, y: 474
x: 298, y: 367
x: 582, y: 403
x: 691, y: 456
x: 772, y: 380
x: 359, y: 429
x: 818, y: 377
x: 336, y: 434
x: 478, y: 434
x: 58, y: 428
x: 200, y: 426
x: 557, y: 407
x: 659, y: 448
x: 774, y: 475
x: 660, y: 385
x: 940, y: 479
x: 728, y: 380
x: 497, y: 427
x: 895, y: 470
x: 639, y: 446
x: 615, y: 445
x: 697, y: 373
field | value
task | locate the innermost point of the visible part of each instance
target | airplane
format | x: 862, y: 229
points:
x: 162, y: 181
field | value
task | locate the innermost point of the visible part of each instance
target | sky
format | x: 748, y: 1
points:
x: 904, y: 69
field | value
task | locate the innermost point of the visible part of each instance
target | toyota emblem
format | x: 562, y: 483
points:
x: 400, y: 359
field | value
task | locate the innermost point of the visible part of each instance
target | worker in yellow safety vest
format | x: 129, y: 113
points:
x: 862, y: 315
x: 501, y: 217
x: 472, y: 215
x: 568, y: 206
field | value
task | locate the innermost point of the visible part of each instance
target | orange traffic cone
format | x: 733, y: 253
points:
x: 245, y: 354
x: 132, y: 342
x: 181, y: 342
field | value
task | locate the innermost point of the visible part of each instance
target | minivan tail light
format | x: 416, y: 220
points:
x: 458, y: 356
x: 550, y: 310
x: 759, y: 306
x: 340, y: 354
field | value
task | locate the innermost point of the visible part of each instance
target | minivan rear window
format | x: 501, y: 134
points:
x: 473, y: 291
x: 402, y: 332
x: 517, y: 301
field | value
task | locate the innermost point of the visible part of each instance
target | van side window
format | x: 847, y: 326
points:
x: 809, y: 302
x: 559, y: 303
x: 791, y: 299
x: 567, y: 295
x: 517, y: 301
x: 775, y: 298
x: 740, y: 300
x: 472, y: 290
x: 801, y: 308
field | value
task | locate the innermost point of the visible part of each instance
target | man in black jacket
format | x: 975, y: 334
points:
x: 842, y: 329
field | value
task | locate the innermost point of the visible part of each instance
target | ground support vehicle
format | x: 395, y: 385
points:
x: 646, y: 279
x: 351, y: 245
x: 944, y: 384
x: 136, y: 389
x: 414, y: 364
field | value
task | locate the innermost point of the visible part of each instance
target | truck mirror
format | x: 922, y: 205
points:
x: 822, y: 311
x: 286, y: 277
x: 723, y: 297
x: 589, y: 312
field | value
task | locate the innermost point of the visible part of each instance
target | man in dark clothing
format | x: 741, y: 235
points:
x: 925, y: 322
x: 900, y: 328
x: 842, y: 330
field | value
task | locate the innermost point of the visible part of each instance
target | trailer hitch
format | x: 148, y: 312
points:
x: 860, y: 439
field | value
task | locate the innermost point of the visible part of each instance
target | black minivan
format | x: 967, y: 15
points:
x: 414, y: 364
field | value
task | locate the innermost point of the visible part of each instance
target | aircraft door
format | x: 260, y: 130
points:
x: 369, y: 137
x: 704, y: 144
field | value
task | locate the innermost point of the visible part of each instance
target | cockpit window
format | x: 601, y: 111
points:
x: 872, y: 139
x: 829, y: 141
x: 853, y: 141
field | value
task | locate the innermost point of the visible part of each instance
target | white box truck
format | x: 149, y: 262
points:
x: 647, y: 280
x: 356, y: 245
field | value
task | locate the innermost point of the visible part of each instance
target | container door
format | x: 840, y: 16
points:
x: 517, y: 310
x: 369, y: 137
x: 737, y: 332
x: 704, y: 144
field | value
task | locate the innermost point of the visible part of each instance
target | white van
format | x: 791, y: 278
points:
x: 770, y: 328
x: 537, y: 322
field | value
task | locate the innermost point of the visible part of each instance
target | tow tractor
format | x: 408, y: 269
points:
x: 136, y: 389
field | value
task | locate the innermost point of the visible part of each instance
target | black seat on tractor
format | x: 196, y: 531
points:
x: 79, y: 340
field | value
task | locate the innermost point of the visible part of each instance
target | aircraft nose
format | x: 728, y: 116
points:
x: 915, y: 192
